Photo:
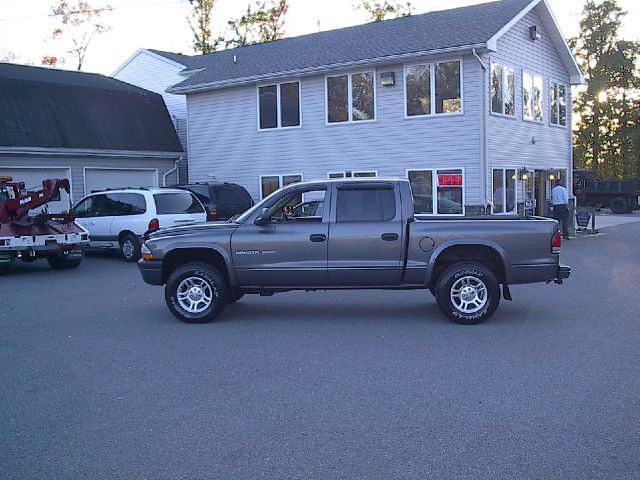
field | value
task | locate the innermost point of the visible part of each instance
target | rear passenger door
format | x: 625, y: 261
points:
x: 365, y: 235
x: 129, y: 214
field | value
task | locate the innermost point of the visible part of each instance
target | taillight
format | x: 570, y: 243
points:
x: 154, y: 225
x: 212, y: 214
x: 556, y: 242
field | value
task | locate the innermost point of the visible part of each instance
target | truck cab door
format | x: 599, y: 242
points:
x: 366, y: 235
x: 288, y: 248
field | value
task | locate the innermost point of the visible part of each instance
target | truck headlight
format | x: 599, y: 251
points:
x: 146, y: 253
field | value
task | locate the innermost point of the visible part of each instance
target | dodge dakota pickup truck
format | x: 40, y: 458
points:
x: 350, y: 234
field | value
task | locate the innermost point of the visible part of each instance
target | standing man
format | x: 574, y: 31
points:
x: 560, y: 199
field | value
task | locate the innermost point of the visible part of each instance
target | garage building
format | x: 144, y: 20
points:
x: 94, y: 130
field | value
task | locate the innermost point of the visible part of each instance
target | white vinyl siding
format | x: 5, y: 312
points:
x: 223, y: 144
x: 352, y: 174
x: 516, y: 142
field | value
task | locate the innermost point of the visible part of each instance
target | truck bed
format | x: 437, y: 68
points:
x: 48, y: 235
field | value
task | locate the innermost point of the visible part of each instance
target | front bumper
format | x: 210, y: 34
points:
x: 151, y: 271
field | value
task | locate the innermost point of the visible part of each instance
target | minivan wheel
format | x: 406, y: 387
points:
x: 130, y: 247
x: 196, y: 293
x: 468, y: 293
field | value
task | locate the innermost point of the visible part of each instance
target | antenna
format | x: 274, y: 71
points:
x: 318, y: 23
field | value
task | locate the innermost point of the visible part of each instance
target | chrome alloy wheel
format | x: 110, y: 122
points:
x: 469, y: 294
x: 128, y: 248
x: 195, y: 294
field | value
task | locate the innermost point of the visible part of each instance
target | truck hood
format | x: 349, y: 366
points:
x: 193, y: 228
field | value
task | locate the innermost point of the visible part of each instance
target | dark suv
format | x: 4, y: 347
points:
x: 222, y: 200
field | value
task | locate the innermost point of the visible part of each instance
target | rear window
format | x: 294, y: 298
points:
x: 200, y: 191
x: 233, y: 194
x: 174, y: 203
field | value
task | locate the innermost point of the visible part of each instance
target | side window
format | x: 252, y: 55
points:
x: 177, y: 203
x: 84, y: 208
x: 300, y: 205
x: 365, y: 203
x: 129, y: 204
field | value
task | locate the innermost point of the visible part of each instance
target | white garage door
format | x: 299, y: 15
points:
x: 33, y: 177
x: 96, y: 179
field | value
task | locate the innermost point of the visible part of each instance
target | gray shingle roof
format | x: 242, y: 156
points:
x: 186, y: 60
x: 429, y: 32
x: 47, y: 108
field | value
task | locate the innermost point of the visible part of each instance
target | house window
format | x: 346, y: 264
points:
x: 557, y: 104
x: 353, y: 174
x: 445, y: 186
x: 444, y: 79
x: 279, y: 105
x: 505, y: 190
x: 271, y: 183
x: 503, y: 95
x: 351, y: 98
x: 532, y: 97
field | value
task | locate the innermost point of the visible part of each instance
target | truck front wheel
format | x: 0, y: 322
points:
x: 196, y: 293
x: 468, y: 293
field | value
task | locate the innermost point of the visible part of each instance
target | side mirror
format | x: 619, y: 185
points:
x: 263, y: 218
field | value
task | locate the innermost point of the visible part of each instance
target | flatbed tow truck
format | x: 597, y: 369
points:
x: 55, y: 236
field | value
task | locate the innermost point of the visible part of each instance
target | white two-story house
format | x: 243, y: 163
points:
x: 472, y: 105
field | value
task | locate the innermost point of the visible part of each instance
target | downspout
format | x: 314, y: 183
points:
x: 484, y: 164
x: 169, y: 172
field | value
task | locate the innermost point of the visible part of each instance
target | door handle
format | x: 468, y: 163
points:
x: 389, y: 237
x: 317, y: 237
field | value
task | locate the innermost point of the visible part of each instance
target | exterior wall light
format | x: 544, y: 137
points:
x: 387, y: 79
x: 534, y: 33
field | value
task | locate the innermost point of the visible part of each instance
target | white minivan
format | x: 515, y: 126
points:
x: 119, y: 218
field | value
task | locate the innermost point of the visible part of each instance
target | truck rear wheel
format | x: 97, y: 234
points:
x: 196, y: 293
x: 60, y: 261
x: 468, y: 293
x: 618, y: 205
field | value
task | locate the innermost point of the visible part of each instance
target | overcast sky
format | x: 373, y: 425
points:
x: 25, y: 27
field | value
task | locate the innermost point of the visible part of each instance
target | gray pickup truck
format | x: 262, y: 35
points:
x: 350, y: 234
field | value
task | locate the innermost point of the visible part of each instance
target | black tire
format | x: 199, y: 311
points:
x: 130, y: 247
x: 618, y: 205
x: 210, y: 294
x: 60, y: 261
x: 482, y: 288
x: 235, y: 294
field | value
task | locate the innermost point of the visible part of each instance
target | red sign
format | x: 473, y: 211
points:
x: 450, y: 180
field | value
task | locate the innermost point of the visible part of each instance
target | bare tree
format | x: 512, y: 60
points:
x: 81, y: 23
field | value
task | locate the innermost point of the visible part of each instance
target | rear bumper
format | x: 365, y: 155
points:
x: 151, y: 271
x: 563, y: 272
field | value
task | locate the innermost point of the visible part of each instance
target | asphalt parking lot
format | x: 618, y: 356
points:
x: 98, y: 380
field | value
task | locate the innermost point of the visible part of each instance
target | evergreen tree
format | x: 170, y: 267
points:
x: 606, y: 140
